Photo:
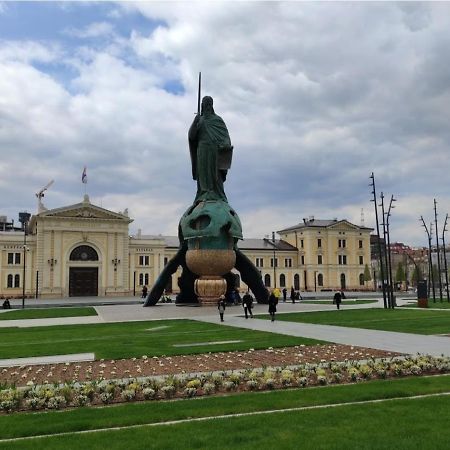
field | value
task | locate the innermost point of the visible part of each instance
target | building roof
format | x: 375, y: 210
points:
x: 244, y: 244
x: 321, y: 223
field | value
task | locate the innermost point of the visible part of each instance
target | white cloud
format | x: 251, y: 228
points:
x: 93, y: 30
x: 316, y: 97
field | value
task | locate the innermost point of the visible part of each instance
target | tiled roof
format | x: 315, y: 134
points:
x: 245, y: 244
x: 319, y: 223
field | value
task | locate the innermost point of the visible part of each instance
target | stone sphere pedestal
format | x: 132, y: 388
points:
x: 210, y: 265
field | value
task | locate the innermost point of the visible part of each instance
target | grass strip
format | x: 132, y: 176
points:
x: 80, y: 419
x: 134, y: 339
x: 47, y: 313
x: 330, y: 302
x: 437, y: 305
x: 400, y: 424
x: 400, y: 320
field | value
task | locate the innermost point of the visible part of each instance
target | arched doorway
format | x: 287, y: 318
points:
x: 83, y: 276
x: 297, y: 282
x: 342, y: 280
x: 320, y: 280
x: 283, y: 280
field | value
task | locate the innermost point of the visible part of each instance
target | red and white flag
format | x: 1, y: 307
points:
x: 84, y: 176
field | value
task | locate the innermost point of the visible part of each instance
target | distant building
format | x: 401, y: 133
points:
x: 86, y: 250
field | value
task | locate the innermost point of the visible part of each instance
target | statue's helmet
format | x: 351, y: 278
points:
x: 207, y: 104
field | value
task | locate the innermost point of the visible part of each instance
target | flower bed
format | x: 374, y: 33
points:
x: 171, y: 365
x: 73, y: 394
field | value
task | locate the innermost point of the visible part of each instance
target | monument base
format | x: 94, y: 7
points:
x: 209, y: 289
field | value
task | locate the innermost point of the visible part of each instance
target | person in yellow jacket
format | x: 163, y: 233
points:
x: 277, y: 293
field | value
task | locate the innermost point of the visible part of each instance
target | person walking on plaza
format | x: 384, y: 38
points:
x: 144, y: 292
x: 292, y: 294
x: 221, y: 306
x: 272, y: 305
x: 284, y: 294
x: 337, y: 299
x: 247, y: 303
x: 277, y: 293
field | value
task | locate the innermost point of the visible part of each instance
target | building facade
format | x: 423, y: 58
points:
x: 86, y: 250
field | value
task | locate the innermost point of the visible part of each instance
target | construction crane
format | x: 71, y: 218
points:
x: 40, y: 195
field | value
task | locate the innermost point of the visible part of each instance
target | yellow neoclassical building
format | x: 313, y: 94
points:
x: 86, y: 250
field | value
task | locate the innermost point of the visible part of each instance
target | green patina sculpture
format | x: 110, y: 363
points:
x: 209, y: 223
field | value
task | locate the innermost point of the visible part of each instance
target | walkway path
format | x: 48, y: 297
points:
x: 382, y: 340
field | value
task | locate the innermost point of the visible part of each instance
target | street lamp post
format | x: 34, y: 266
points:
x: 391, y: 206
x: 437, y: 251
x: 372, y: 177
x: 274, y: 261
x: 430, y: 263
x: 24, y: 218
x: 389, y: 299
x: 444, y: 229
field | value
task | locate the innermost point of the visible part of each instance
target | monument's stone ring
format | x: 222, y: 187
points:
x: 210, y: 262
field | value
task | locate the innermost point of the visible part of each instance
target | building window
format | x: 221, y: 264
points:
x: 343, y: 283
x: 13, y: 258
x: 342, y: 259
x: 259, y: 262
x: 303, y: 259
x: 10, y: 281
x: 301, y: 243
x: 361, y: 279
x: 360, y: 243
x: 287, y: 262
x: 267, y: 280
x: 319, y: 259
x: 282, y: 280
x: 16, y: 281
x: 342, y: 243
x: 144, y: 260
x: 271, y: 262
x: 320, y: 280
x: 145, y: 278
x: 319, y: 243
x: 297, y: 282
x: 141, y: 279
x: 83, y: 253
x: 361, y: 259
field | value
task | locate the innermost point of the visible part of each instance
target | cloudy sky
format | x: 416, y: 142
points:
x: 316, y: 96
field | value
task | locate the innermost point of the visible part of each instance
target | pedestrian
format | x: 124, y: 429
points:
x: 342, y: 295
x: 6, y: 304
x: 144, y: 292
x: 292, y: 294
x: 247, y: 303
x: 337, y: 299
x: 221, y: 306
x: 284, y: 294
x: 272, y: 305
x: 277, y: 293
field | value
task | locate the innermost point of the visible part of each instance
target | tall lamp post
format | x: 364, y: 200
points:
x: 274, y: 261
x: 24, y: 218
x: 389, y: 299
x: 444, y: 229
x: 388, y: 214
x: 437, y: 251
x: 430, y: 263
x: 372, y: 177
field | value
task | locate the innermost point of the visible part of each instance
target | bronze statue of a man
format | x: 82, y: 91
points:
x: 211, y: 153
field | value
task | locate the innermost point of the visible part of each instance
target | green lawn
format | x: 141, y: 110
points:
x: 437, y: 305
x: 330, y: 302
x: 402, y: 320
x: 47, y: 313
x: 125, y: 340
x: 403, y: 423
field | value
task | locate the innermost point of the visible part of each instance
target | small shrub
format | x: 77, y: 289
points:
x: 128, y: 394
x: 229, y: 385
x: 149, y: 393
x: 252, y: 385
x: 322, y: 380
x: 193, y: 384
x: 82, y: 400
x: 337, y: 377
x: 56, y: 402
x: 302, y: 381
x: 190, y: 392
x: 209, y: 388
x: 106, y: 397
x: 168, y: 390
